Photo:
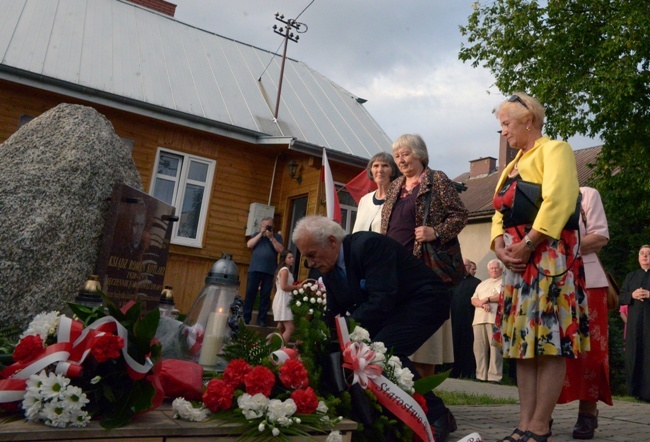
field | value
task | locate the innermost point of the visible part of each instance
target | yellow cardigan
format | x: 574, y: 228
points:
x: 552, y: 164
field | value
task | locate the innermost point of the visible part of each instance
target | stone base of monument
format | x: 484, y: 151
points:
x: 155, y: 426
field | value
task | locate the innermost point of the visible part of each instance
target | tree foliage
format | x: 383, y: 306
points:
x: 587, y: 62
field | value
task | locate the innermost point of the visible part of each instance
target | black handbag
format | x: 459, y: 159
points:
x: 526, y: 202
x: 447, y: 259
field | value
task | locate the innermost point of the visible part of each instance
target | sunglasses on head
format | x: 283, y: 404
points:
x: 515, y: 98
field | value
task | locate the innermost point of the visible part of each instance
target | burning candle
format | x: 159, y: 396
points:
x: 213, y: 340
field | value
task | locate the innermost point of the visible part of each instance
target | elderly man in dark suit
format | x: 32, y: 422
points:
x: 392, y: 294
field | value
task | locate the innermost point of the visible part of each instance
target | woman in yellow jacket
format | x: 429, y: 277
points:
x: 542, y: 316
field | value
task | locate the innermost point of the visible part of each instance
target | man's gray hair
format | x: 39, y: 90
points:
x: 501, y: 264
x: 319, y: 228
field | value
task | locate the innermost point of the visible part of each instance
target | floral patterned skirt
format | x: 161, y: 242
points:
x: 544, y: 310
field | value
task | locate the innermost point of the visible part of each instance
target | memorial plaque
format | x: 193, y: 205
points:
x: 133, y: 258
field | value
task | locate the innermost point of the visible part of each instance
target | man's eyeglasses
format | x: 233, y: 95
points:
x: 515, y: 98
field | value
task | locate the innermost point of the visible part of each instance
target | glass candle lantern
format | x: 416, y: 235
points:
x: 89, y: 293
x: 166, y: 304
x: 205, y: 330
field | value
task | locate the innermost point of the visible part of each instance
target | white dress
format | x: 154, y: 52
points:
x: 281, y: 310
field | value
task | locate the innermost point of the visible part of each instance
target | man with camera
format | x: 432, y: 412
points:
x: 265, y: 245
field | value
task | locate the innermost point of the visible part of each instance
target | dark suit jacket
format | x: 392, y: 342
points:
x: 382, y: 276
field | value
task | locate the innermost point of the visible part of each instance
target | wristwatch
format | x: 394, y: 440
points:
x: 529, y: 243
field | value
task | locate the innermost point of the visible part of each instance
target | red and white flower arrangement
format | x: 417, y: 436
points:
x: 67, y: 371
x: 268, y: 400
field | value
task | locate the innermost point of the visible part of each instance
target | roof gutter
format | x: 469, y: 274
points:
x: 130, y: 105
x: 162, y: 113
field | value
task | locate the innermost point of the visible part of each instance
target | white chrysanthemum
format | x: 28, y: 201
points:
x: 54, y: 385
x: 43, y: 324
x: 312, y: 300
x: 184, y: 409
x: 301, y: 291
x: 360, y: 334
x: 298, y: 303
x: 35, y: 381
x: 305, y: 298
x: 322, y: 407
x: 55, y: 414
x: 319, y: 293
x: 81, y: 419
x: 32, y: 404
x: 275, y: 432
x: 318, y: 300
x: 261, y: 427
x: 311, y: 311
x: 334, y: 436
x: 74, y: 396
x: 295, y: 292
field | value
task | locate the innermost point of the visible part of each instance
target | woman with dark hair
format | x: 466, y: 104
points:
x: 542, y: 317
x: 382, y: 170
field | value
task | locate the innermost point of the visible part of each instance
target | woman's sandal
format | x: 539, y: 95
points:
x: 518, y: 432
x: 530, y: 436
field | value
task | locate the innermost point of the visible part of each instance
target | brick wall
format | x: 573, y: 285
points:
x: 157, y: 5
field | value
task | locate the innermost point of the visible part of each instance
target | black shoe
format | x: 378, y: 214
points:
x: 444, y: 425
x: 529, y: 436
x: 261, y: 324
x: 585, y: 426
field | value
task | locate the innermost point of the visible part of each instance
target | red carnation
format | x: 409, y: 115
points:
x: 259, y: 380
x: 106, y: 347
x: 306, y: 401
x: 422, y: 402
x: 235, y: 372
x: 28, y: 348
x: 293, y: 374
x: 218, y: 395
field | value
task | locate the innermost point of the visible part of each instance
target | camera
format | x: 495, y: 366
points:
x: 269, y: 228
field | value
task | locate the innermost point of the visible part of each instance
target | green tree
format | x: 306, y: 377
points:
x: 587, y: 62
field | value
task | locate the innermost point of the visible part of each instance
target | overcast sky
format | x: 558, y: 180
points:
x: 400, y: 55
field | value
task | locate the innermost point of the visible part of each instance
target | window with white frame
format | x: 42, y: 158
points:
x: 184, y: 181
x: 348, y: 208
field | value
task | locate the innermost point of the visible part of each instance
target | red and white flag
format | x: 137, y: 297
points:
x: 360, y: 186
x: 331, y: 197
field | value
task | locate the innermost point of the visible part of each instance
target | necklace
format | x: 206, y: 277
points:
x: 408, y: 192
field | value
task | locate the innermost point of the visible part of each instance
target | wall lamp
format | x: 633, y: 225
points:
x: 293, y: 170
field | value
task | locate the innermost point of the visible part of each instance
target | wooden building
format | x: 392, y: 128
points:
x: 198, y: 116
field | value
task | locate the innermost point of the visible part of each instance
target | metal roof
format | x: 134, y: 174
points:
x: 119, y: 54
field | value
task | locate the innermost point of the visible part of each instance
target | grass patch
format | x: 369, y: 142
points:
x: 628, y: 399
x: 460, y: 398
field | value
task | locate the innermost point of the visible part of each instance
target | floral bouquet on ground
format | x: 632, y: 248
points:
x: 264, y: 387
x: 67, y: 371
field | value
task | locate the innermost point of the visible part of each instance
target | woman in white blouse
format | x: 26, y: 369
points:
x: 382, y: 170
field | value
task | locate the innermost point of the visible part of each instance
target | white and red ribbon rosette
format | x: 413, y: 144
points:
x: 358, y: 357
x: 69, y: 352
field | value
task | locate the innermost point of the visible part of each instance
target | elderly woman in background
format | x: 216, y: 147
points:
x: 543, y: 311
x: 489, y: 360
x: 403, y: 219
x: 587, y: 377
x: 382, y: 170
x: 635, y: 293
